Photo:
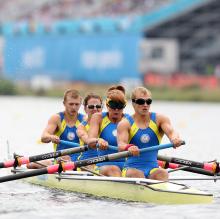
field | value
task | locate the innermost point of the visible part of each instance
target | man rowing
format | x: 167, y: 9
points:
x: 141, y: 130
x: 63, y: 125
x: 92, y: 104
x: 103, y: 126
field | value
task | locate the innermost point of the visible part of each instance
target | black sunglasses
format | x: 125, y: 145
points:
x: 142, y: 101
x: 97, y: 106
x: 115, y: 105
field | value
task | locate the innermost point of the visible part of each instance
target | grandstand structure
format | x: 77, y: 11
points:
x: 197, y: 31
x: 53, y: 10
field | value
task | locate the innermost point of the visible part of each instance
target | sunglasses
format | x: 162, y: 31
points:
x: 142, y: 101
x: 97, y: 106
x: 115, y: 105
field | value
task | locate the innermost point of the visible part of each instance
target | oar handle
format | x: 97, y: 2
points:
x: 152, y: 148
x: 113, y: 147
x: 69, y: 143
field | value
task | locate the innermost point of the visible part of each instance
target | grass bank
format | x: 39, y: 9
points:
x: 186, y: 94
x: 162, y: 93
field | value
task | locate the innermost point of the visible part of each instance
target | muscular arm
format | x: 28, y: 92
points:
x: 48, y: 133
x: 93, y: 133
x: 123, y: 130
x: 169, y: 131
x: 123, y: 134
x: 82, y: 133
x: 94, y: 125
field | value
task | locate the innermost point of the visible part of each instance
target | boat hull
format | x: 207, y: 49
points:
x: 137, y: 190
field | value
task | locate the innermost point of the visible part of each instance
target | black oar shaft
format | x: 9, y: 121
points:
x: 23, y: 175
x: 181, y: 161
x: 58, y: 153
x: 189, y: 166
x: 26, y: 160
x: 104, y: 158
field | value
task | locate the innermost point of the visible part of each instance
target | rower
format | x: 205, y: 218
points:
x: 63, y: 125
x: 103, y: 127
x: 141, y: 130
x: 92, y: 104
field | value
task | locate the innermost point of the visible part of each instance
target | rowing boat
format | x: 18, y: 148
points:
x: 129, y: 189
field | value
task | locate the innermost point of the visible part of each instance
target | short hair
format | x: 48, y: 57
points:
x: 117, y: 87
x: 116, y: 95
x: 141, y: 90
x: 71, y: 93
x: 90, y: 96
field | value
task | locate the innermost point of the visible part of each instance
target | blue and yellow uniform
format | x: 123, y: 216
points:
x: 91, y: 152
x: 108, y: 132
x: 67, y: 133
x: 143, y: 138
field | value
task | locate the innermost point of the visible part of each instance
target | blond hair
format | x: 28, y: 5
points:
x: 71, y: 93
x: 141, y: 90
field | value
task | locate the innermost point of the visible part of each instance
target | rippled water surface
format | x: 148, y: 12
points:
x: 22, y: 120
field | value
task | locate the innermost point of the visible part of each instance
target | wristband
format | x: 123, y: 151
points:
x: 128, y: 146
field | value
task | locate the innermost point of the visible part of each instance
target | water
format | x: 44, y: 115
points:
x: 22, y: 120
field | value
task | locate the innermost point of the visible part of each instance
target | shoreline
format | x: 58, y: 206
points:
x: 193, y: 94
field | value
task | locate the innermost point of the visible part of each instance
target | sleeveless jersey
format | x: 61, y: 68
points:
x: 108, y: 131
x: 91, y: 152
x: 144, y: 138
x: 68, y: 133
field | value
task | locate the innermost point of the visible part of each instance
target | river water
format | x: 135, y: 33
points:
x: 22, y: 120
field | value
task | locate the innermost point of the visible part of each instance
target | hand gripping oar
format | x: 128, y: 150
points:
x: 73, y: 165
x: 18, y: 161
x: 174, y: 162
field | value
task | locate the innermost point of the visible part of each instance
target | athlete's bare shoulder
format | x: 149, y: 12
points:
x: 55, y: 118
x: 161, y: 118
x: 124, y: 123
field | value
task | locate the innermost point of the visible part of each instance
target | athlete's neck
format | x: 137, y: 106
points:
x: 142, y: 118
x: 70, y: 119
x: 115, y: 120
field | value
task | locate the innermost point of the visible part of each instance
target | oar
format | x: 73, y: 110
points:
x: 25, y: 160
x: 73, y: 165
x: 72, y: 144
x: 174, y: 166
x: 69, y: 143
x: 174, y: 163
x: 157, y: 147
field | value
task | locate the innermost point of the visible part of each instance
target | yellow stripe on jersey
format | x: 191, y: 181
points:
x: 59, y: 132
x: 154, y: 127
x: 133, y: 131
x: 105, y: 122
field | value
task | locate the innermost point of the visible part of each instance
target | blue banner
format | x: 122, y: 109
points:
x: 91, y: 58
